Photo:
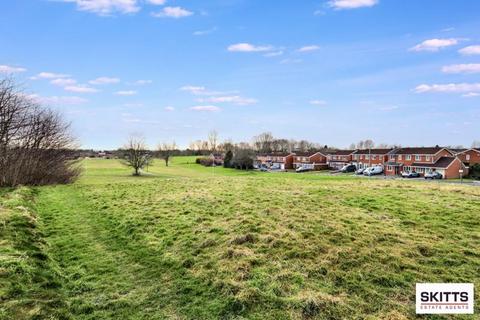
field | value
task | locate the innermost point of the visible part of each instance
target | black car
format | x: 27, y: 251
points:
x: 349, y: 168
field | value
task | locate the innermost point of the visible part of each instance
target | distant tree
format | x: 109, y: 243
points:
x: 353, y: 146
x: 227, y: 160
x: 166, y: 150
x: 476, y: 144
x: 263, y: 142
x: 243, y: 159
x: 213, y: 140
x: 136, y: 154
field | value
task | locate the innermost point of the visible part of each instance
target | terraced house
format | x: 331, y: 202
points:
x: 339, y: 158
x: 281, y: 161
x: 312, y: 160
x: 370, y: 157
x: 423, y: 160
x: 469, y: 157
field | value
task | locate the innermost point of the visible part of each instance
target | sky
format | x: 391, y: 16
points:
x: 333, y: 71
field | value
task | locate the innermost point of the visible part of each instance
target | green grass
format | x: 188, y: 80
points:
x: 189, y: 242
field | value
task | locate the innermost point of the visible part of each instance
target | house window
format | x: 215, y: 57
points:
x: 392, y: 158
x: 409, y: 157
x: 374, y: 157
x: 427, y: 158
x: 417, y: 158
x: 399, y: 157
x: 467, y: 157
x: 389, y: 168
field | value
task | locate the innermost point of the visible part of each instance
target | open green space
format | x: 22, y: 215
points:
x: 190, y: 242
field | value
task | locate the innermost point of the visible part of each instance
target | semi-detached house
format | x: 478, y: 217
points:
x: 424, y: 160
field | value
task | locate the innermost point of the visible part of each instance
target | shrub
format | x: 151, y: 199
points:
x: 475, y: 171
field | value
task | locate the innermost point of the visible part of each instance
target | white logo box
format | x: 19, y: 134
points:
x: 444, y: 298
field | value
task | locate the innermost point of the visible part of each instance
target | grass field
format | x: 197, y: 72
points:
x: 188, y: 242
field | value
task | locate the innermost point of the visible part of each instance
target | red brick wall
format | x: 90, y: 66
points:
x: 474, y: 157
x: 452, y: 172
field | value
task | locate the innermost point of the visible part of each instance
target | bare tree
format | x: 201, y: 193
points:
x: 136, y: 154
x: 166, y: 151
x: 213, y: 140
x: 35, y: 143
x: 476, y: 144
x: 263, y: 142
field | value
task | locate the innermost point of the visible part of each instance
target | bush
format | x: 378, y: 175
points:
x: 227, y: 161
x: 475, y: 171
x: 208, y: 162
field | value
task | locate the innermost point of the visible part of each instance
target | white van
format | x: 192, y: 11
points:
x: 373, y: 171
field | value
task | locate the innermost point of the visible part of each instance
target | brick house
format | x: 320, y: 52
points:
x: 370, y: 157
x: 339, y: 158
x: 313, y: 160
x: 282, y: 161
x: 423, y: 160
x: 469, y: 157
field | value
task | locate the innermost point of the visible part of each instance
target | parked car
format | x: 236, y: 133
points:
x: 373, y: 171
x: 410, y: 174
x: 360, y: 171
x: 433, y: 175
x: 302, y: 169
x: 349, y: 168
x: 263, y: 169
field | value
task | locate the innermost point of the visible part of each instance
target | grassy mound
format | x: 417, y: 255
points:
x: 29, y: 284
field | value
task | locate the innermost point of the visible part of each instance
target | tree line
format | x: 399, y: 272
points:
x: 36, y: 146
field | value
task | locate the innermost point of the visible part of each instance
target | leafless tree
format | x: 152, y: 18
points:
x: 213, y: 140
x: 166, y: 150
x: 476, y: 144
x: 136, y: 154
x: 36, y: 146
x: 263, y: 142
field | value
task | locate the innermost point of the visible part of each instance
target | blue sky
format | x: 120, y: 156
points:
x: 335, y: 72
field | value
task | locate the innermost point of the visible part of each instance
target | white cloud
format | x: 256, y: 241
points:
x: 9, y: 69
x: 247, y: 47
x: 126, y: 93
x: 107, y: 7
x: 462, y: 68
x: 57, y: 100
x: 196, y: 90
x: 434, y: 45
x: 157, y: 2
x: 204, y: 32
x: 470, y: 50
x: 49, y: 75
x: 351, y: 4
x: 448, y: 88
x: 201, y: 91
x: 308, y: 48
x: 80, y: 89
x: 319, y: 13
x: 62, y: 82
x: 471, y: 95
x: 205, y: 108
x: 273, y: 54
x: 142, y: 82
x: 318, y: 102
x: 238, y: 100
x: 104, y: 80
x: 173, y: 12
x: 169, y: 109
